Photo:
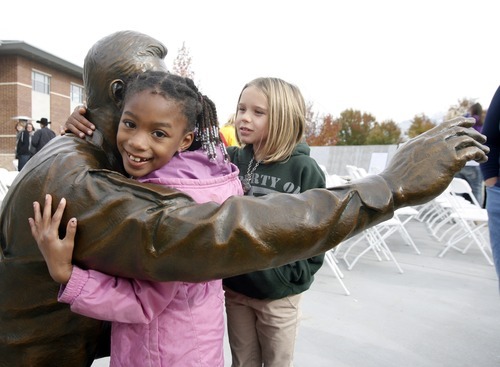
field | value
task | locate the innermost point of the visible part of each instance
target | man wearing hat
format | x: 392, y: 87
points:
x: 42, y: 136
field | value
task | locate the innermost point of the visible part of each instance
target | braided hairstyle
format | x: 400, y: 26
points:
x: 199, y: 110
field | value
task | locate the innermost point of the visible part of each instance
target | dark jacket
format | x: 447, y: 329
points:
x: 41, y: 137
x: 297, y: 174
x: 23, y: 143
x: 491, y: 129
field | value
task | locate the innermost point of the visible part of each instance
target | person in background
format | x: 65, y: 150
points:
x: 19, y: 127
x: 263, y: 307
x: 471, y: 172
x: 157, y: 142
x: 42, y: 136
x: 228, y: 133
x: 23, y: 138
x: 476, y: 111
x: 491, y: 172
x: 31, y: 130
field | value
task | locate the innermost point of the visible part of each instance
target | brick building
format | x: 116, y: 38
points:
x: 34, y: 84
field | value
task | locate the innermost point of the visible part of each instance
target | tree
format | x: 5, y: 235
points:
x: 351, y: 128
x: 354, y: 127
x: 182, y: 63
x: 312, y: 126
x: 328, y: 134
x: 384, y: 133
x: 420, y: 124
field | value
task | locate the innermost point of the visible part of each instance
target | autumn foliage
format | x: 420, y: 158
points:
x: 356, y: 128
x: 351, y: 128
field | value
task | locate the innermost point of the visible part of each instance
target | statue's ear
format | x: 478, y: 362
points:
x: 117, y: 91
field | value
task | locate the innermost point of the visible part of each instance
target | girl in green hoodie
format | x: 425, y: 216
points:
x: 263, y: 307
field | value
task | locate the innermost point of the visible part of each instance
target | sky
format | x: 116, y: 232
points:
x: 392, y: 59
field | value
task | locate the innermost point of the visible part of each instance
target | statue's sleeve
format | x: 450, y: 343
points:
x: 150, y: 232
x: 153, y: 233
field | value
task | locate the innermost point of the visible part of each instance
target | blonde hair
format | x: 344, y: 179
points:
x: 230, y: 121
x: 20, y: 123
x: 287, y: 117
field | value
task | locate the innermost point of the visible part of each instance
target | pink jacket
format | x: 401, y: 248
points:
x: 171, y: 323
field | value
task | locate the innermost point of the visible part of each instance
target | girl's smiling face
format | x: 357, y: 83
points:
x: 152, y: 129
x: 252, y: 118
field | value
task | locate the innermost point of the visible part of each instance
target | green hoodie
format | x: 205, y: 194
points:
x: 295, y: 175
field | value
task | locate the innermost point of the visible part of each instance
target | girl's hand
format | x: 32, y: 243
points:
x: 78, y: 124
x: 45, y: 229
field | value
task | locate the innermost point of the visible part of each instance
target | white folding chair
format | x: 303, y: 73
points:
x: 332, y: 262
x: 356, y: 172
x: 375, y: 242
x: 466, y: 221
x: 397, y: 224
x: 377, y: 235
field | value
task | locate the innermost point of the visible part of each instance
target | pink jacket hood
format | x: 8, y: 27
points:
x: 204, y: 180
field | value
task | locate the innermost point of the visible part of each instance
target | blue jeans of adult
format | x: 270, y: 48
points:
x: 473, y: 175
x: 493, y: 209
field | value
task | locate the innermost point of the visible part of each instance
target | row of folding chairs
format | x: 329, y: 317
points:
x: 456, y: 219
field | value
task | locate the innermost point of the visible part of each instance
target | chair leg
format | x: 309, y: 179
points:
x: 355, y: 241
x: 376, y: 243
x: 406, y: 235
x: 331, y: 261
x: 471, y: 233
x: 388, y: 252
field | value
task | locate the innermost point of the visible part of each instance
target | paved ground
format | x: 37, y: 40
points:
x: 441, y: 312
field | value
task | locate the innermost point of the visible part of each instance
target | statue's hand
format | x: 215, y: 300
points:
x: 423, y: 167
x: 78, y: 124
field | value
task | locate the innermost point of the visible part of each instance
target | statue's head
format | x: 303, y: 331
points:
x: 108, y: 65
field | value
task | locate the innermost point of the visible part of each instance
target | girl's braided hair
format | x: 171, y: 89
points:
x: 199, y: 110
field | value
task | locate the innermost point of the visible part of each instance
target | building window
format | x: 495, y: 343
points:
x: 41, y: 82
x: 76, y: 94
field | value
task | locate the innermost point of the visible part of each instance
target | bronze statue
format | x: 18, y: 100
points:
x: 150, y: 232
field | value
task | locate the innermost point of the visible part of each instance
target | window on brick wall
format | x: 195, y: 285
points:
x: 41, y: 82
x: 76, y: 94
